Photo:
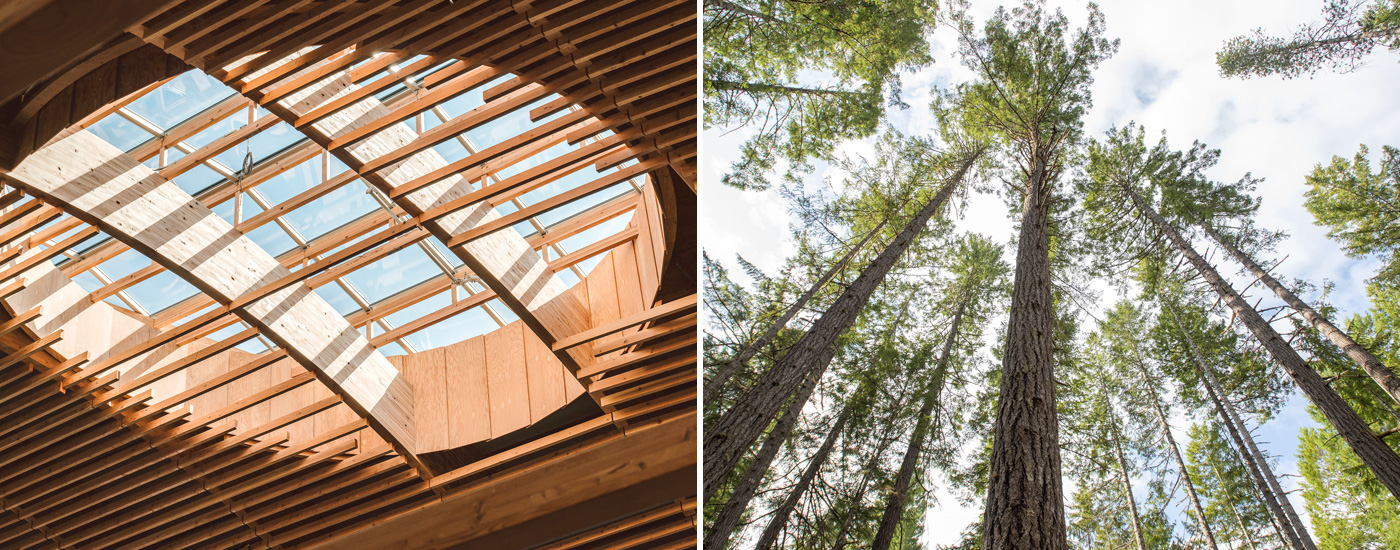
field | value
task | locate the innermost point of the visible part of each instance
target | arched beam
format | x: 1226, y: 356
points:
x: 95, y: 182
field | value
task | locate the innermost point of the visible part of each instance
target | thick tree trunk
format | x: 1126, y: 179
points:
x: 894, y: 507
x: 784, y: 511
x: 733, y: 510
x: 1368, y: 363
x: 741, y: 359
x: 726, y: 443
x: 1176, y: 455
x: 1377, y: 456
x: 1261, y: 473
x: 1128, y: 487
x: 1025, y: 500
x: 1239, y: 520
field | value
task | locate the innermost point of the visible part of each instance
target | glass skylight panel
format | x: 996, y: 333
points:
x: 470, y: 323
x: 506, y: 314
x: 393, y: 274
x: 226, y: 126
x: 124, y: 264
x: 421, y: 309
x: 120, y: 132
x: 451, y: 150
x: 262, y: 145
x: 270, y: 237
x: 331, y: 212
x: 197, y: 179
x: 87, y: 281
x: 292, y: 182
x: 392, y: 348
x: 183, y: 97
x: 163, y: 290
x: 337, y: 298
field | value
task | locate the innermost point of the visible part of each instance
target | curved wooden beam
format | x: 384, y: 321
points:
x: 95, y: 182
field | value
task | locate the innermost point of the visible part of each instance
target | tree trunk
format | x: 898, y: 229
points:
x: 894, y: 507
x: 779, y: 89
x: 1377, y: 456
x: 1368, y: 363
x: 784, y: 511
x: 1248, y: 537
x: 1176, y: 454
x: 1025, y: 500
x: 741, y: 359
x: 728, y: 517
x: 732, y: 435
x: 1259, y: 471
x: 839, y: 542
x: 1127, y: 486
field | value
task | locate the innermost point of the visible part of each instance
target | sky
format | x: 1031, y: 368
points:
x: 1163, y: 77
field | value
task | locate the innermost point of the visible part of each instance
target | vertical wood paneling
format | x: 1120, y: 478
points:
x: 572, y: 388
x: 203, y: 371
x: 546, y: 387
x: 469, y: 407
x: 602, y: 293
x: 425, y: 371
x: 255, y: 382
x: 506, y: 379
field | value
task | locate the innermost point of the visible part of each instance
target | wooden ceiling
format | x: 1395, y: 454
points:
x: 127, y: 450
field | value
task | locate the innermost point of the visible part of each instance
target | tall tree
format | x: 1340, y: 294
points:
x: 1032, y: 91
x: 1361, y: 207
x: 1157, y: 182
x: 1349, y: 31
x: 732, y: 435
x: 1224, y: 481
x: 978, y: 275
x: 760, y: 56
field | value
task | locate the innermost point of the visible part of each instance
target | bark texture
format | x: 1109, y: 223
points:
x: 733, y: 434
x: 721, y: 378
x: 1377, y: 456
x: 1258, y: 469
x: 1025, y: 499
x: 899, y: 496
x: 733, y: 510
x: 1368, y: 363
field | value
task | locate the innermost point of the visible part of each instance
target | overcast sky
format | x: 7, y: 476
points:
x: 1164, y: 77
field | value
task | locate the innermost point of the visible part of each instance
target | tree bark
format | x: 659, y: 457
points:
x: 779, y: 89
x: 1025, y: 499
x: 1368, y: 363
x: 734, y: 432
x: 1127, y: 485
x: 741, y: 359
x: 1377, y: 456
x: 728, y: 517
x: 1261, y: 473
x: 784, y: 511
x: 1176, y: 454
x: 894, y: 507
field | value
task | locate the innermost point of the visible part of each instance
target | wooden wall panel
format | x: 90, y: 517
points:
x: 602, y: 294
x: 469, y: 409
x: 203, y: 371
x: 426, y: 371
x: 507, y: 379
x: 242, y: 388
x: 546, y: 388
x: 572, y: 388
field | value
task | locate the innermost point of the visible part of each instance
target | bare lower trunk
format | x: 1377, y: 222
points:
x: 1025, y: 500
x: 718, y: 381
x: 1176, y: 455
x: 1377, y: 456
x: 894, y: 507
x: 1293, y: 536
x: 784, y: 511
x: 726, y: 443
x: 1368, y: 363
x: 733, y: 510
x: 1128, y: 488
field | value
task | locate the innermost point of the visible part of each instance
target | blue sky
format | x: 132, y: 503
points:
x: 1164, y: 77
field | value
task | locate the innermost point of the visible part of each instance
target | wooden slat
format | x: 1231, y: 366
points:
x: 669, y: 308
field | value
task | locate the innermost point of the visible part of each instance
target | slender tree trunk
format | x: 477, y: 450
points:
x: 733, y: 510
x: 1368, y: 363
x: 1377, y: 456
x: 731, y: 436
x: 1239, y: 519
x: 1176, y: 455
x: 894, y: 507
x: 1127, y: 485
x: 741, y: 359
x: 779, y: 89
x: 839, y: 542
x: 1025, y: 500
x: 784, y: 511
x: 1261, y: 473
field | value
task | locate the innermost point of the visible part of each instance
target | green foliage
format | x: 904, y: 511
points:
x: 1361, y: 208
x: 1349, y: 31
x: 761, y: 59
x: 1233, y: 504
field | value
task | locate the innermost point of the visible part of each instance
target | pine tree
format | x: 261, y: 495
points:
x: 1349, y: 31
